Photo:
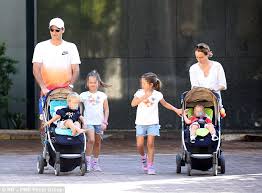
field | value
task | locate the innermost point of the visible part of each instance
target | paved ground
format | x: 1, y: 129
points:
x: 122, y: 170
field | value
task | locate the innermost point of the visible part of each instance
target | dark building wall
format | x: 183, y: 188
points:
x: 124, y: 39
x: 13, y: 33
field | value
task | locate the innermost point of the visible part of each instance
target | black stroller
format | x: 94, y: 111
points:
x: 204, y: 154
x: 61, y: 150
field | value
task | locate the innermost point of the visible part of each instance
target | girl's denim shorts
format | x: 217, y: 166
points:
x: 144, y: 130
x: 96, y: 128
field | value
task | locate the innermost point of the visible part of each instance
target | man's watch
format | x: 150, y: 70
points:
x: 71, y: 86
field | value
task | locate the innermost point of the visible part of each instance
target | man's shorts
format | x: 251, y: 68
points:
x: 41, y: 103
x: 145, y: 130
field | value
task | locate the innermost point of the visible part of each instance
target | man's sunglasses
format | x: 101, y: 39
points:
x: 57, y: 30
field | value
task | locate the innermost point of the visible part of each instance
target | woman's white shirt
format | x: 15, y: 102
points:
x: 215, y: 78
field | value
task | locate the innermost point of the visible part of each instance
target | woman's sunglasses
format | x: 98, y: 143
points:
x: 200, y: 47
x: 57, y: 30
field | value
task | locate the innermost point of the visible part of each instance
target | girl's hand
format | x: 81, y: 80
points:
x: 146, y: 96
x: 104, y: 126
x: 185, y: 111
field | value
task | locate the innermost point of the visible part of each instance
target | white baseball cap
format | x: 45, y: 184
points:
x: 57, y: 22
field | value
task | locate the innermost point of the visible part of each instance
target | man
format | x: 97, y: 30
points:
x: 55, y: 61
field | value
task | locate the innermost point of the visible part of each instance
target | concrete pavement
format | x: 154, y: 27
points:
x: 122, y: 172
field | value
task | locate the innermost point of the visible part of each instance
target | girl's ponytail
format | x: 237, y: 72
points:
x: 157, y: 84
x: 152, y: 78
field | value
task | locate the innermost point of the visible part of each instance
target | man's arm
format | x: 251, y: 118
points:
x: 75, y: 73
x: 38, y: 77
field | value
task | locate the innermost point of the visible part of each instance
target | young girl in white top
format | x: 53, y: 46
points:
x: 147, y: 120
x: 207, y: 73
x: 96, y: 114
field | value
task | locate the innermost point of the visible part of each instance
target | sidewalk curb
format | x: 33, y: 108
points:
x: 6, y: 134
x: 19, y: 134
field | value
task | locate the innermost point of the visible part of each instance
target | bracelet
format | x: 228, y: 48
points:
x: 106, y: 123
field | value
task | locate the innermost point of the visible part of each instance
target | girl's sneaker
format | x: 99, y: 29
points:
x: 96, y: 167
x: 144, y: 163
x: 88, y: 164
x: 151, y: 170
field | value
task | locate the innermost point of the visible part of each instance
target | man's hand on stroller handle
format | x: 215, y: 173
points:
x: 45, y: 90
x: 46, y: 124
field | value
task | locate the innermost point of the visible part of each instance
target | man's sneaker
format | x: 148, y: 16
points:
x: 144, y: 163
x: 214, y: 137
x: 96, y: 167
x: 151, y: 170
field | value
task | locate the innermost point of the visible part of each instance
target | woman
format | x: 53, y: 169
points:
x: 207, y: 73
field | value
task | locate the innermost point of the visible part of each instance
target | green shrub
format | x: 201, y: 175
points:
x: 7, y: 68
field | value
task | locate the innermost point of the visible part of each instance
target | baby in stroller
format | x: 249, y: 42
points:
x: 69, y: 116
x: 199, y: 120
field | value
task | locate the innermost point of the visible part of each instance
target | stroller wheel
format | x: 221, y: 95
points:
x: 215, y: 164
x: 214, y: 169
x: 222, y: 164
x: 57, y: 169
x: 178, y: 163
x: 83, y: 168
x: 40, y: 164
x: 188, y: 161
x: 189, y: 168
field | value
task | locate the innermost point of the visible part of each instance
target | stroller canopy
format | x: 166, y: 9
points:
x: 201, y: 96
